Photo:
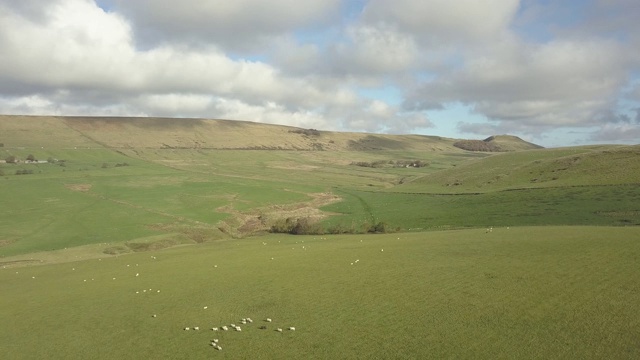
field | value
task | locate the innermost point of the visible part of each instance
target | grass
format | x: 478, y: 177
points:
x: 588, y: 205
x: 73, y: 238
x: 531, y: 292
x: 594, y: 165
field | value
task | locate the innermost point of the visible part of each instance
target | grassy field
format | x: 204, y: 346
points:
x: 530, y: 292
x: 527, y: 254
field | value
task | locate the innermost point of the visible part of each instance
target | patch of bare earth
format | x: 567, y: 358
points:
x: 6, y: 242
x: 79, y: 187
x: 260, y: 220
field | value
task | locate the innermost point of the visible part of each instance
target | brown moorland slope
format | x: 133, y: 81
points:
x: 138, y: 132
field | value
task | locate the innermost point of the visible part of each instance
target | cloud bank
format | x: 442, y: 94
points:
x: 542, y: 71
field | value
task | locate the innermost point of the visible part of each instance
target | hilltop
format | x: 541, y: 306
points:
x: 497, y: 143
x: 171, y: 133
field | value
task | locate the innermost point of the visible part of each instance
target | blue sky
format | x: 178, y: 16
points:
x: 557, y: 73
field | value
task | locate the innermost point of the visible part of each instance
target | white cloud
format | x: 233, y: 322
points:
x: 559, y: 83
x: 305, y: 63
x: 375, y: 51
x: 239, y: 25
x: 440, y: 22
x: 617, y: 133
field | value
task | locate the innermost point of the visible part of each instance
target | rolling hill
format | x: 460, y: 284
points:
x: 168, y: 133
x: 164, y: 182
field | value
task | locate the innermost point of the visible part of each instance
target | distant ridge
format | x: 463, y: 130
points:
x: 187, y: 133
x: 496, y: 143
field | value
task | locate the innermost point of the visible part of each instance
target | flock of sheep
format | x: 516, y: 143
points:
x: 215, y: 342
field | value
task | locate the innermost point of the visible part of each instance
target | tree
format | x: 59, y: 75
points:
x: 30, y: 157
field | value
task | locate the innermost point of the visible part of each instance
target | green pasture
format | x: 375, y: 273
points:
x: 92, y: 245
x: 579, y: 205
x: 544, y: 168
x: 191, y: 194
x: 523, y: 292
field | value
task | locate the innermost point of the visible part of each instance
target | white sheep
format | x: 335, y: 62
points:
x: 279, y: 330
x: 268, y: 320
x: 225, y: 328
x: 292, y: 328
x: 196, y: 328
x: 249, y: 320
x: 214, y: 329
x: 187, y: 328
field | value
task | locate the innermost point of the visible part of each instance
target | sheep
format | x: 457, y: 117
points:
x: 268, y: 320
x: 238, y: 328
x: 187, y: 329
x: 225, y: 328
x: 249, y: 320
x: 263, y: 327
x: 279, y: 330
x: 214, y: 329
x: 196, y: 328
x: 292, y: 328
x: 154, y: 315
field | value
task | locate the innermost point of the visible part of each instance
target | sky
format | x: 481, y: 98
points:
x: 556, y: 73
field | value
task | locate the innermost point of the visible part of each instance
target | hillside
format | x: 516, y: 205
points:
x: 167, y: 133
x: 574, y: 166
x: 166, y: 182
x: 497, y: 143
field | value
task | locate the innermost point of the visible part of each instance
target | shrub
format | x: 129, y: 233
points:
x: 30, y: 157
x: 11, y: 159
x: 379, y: 228
x: 308, y: 132
x: 477, y: 145
x: 282, y: 226
x: 300, y: 226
